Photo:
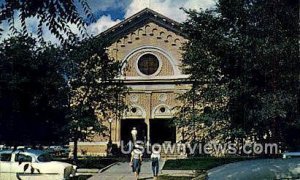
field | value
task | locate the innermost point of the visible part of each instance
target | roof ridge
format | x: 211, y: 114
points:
x: 137, y: 15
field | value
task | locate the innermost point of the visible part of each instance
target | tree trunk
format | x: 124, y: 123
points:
x: 75, y: 150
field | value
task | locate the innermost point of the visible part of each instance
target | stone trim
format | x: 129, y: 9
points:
x: 130, y: 115
x: 167, y: 114
x: 102, y: 143
x: 175, y: 77
x: 140, y: 18
x: 144, y: 75
x: 149, y: 49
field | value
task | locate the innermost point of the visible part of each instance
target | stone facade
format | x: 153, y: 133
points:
x: 151, y: 97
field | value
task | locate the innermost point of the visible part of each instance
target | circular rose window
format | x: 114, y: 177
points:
x: 148, y: 64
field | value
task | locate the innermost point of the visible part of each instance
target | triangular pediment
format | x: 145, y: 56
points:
x: 138, y: 20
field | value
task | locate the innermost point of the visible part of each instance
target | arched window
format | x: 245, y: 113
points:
x: 148, y: 64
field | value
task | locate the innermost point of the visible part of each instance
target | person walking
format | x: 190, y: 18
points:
x: 134, y: 134
x: 155, y: 157
x: 136, y: 160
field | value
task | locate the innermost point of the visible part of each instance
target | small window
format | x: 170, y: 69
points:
x: 162, y: 110
x: 148, y: 64
x: 133, y: 110
x: 5, y: 157
x: 23, y: 158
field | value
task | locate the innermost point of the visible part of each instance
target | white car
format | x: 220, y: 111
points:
x: 32, y: 164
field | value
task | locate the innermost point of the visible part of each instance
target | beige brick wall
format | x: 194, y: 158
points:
x: 166, y: 68
x: 91, y: 150
x: 150, y: 35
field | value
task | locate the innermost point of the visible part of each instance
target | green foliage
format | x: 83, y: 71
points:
x: 55, y: 15
x: 52, y: 95
x: 95, y: 91
x: 32, y: 92
x: 91, y: 162
x: 243, y: 58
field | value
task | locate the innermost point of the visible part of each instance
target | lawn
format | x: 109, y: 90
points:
x: 91, y: 162
x: 166, y: 177
x: 201, y: 163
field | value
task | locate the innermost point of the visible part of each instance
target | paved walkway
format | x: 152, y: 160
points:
x: 244, y: 170
x: 123, y: 171
x: 258, y: 169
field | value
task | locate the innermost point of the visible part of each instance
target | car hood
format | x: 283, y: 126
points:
x: 63, y: 164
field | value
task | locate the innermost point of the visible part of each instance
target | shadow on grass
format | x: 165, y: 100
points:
x: 91, y: 162
x: 81, y: 177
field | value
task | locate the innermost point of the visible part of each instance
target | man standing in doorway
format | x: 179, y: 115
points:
x: 134, y: 134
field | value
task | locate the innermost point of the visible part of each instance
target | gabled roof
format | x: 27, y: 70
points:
x: 139, y: 19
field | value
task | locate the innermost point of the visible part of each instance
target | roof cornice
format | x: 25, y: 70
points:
x: 145, y: 16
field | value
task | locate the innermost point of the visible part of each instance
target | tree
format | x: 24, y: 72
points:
x: 88, y: 75
x: 33, y: 94
x: 55, y: 14
x: 95, y: 90
x: 243, y: 58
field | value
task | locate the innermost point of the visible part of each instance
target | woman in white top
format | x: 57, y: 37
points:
x: 155, y: 156
x: 136, y: 160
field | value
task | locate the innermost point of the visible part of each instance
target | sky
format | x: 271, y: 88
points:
x: 110, y: 12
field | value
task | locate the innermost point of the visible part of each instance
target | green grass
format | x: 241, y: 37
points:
x: 167, y: 177
x: 201, y: 163
x: 91, y: 162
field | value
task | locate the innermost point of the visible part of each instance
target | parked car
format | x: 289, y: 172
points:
x: 58, y: 151
x: 37, y: 164
x: 286, y: 155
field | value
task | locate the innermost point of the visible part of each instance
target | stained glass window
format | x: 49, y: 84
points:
x: 148, y: 64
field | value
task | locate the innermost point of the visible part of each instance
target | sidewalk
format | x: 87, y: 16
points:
x: 123, y: 171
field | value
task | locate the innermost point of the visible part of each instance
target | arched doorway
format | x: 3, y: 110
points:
x: 161, y: 130
x: 128, y: 124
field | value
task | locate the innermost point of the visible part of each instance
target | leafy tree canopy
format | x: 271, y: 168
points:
x: 96, y: 93
x: 33, y: 94
x: 55, y: 14
x: 243, y: 57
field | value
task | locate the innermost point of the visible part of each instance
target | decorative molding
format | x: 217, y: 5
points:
x: 147, y: 88
x: 144, y: 75
x: 139, y: 113
x: 139, y: 20
x: 157, y: 113
x: 165, y: 35
x: 134, y: 98
x: 163, y: 97
x: 102, y: 143
x: 175, y: 77
x: 151, y: 49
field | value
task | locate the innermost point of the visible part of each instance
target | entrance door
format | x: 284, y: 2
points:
x: 128, y: 124
x: 161, y: 130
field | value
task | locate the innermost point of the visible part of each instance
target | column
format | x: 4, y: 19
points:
x: 148, y: 114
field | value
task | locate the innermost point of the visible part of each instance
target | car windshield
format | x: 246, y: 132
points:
x: 44, y: 158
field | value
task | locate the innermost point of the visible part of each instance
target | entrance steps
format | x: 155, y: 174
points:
x: 172, y: 151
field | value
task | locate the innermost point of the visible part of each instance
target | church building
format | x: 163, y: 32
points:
x: 149, y: 46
